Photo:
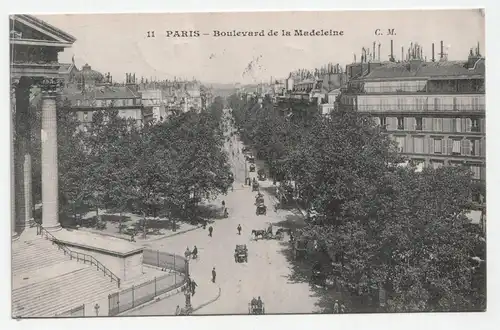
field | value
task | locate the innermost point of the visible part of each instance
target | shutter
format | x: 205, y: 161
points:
x: 427, y: 124
x: 434, y: 124
x: 439, y: 123
x: 406, y: 123
x: 464, y: 124
x: 443, y: 146
x: 483, y: 148
x: 476, y: 148
x: 446, y: 125
x: 393, y: 123
x: 428, y: 145
x: 449, y: 145
x: 462, y: 147
x: 466, y: 147
x: 413, y: 124
x: 482, y: 125
x: 468, y: 124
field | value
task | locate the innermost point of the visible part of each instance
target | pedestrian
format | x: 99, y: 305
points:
x: 187, y: 253
x: 239, y: 229
x: 342, y: 308
x: 210, y: 230
x: 177, y: 310
x: 214, y: 274
x: 336, y: 307
x: 193, y: 287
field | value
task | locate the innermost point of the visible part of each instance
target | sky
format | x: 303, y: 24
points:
x: 118, y: 43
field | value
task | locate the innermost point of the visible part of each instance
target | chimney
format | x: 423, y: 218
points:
x: 402, y: 53
x: 379, y: 51
x: 442, y: 50
x: 433, y: 59
x: 373, y: 56
x: 391, y: 58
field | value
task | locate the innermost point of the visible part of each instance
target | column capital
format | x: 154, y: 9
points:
x: 50, y: 86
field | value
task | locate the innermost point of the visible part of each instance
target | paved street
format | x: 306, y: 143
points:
x: 265, y: 274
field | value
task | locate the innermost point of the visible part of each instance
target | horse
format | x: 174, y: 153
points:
x: 259, y: 232
x: 279, y: 233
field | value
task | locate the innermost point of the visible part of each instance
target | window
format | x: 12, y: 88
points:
x: 474, y: 125
x: 437, y: 103
x: 383, y: 122
x: 456, y: 146
x: 437, y: 164
x: 474, y: 147
x: 476, y: 171
x: 78, y: 103
x: 418, y: 125
x: 418, y: 144
x: 401, y: 123
x: 85, y: 116
x: 400, y: 140
x: 438, y: 146
x: 437, y: 124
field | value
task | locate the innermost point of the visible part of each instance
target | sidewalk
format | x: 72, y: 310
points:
x: 206, y: 293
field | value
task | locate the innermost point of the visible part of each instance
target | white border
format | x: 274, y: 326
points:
x: 386, y: 321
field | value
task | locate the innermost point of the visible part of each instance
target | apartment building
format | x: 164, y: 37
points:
x: 434, y: 110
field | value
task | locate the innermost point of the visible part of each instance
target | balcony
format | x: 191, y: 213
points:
x: 419, y: 108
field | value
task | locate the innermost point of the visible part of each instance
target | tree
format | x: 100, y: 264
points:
x: 395, y: 228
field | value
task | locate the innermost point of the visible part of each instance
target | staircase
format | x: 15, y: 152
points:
x: 46, y: 281
x: 58, y: 294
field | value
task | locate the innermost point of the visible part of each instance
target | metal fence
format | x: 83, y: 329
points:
x: 124, y: 300
x: 165, y: 260
x: 75, y: 312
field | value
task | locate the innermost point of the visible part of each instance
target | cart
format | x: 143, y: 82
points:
x: 241, y: 253
x: 261, y: 209
x: 256, y: 309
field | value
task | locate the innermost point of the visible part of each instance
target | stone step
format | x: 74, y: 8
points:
x: 61, y: 293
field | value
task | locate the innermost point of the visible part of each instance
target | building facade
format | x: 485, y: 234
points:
x: 94, y: 91
x: 434, y: 110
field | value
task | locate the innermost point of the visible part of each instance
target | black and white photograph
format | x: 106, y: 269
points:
x: 247, y: 163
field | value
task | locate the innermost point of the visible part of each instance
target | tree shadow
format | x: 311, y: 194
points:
x: 301, y: 272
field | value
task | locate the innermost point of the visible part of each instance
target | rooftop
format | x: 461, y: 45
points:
x: 422, y: 69
x: 101, y: 93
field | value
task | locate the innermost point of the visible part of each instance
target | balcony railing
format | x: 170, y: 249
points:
x: 78, y: 255
x: 415, y: 108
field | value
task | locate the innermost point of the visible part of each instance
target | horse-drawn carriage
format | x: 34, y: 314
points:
x: 241, y: 253
x: 261, y: 174
x: 256, y: 308
x: 259, y: 199
x: 261, y: 209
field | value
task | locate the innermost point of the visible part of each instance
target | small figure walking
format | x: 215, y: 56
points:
x: 239, y: 229
x: 214, y: 274
x: 177, y: 310
x: 336, y: 307
x: 210, y: 230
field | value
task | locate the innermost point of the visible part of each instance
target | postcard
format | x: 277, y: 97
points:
x: 254, y: 163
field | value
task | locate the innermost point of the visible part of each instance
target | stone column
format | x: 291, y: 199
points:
x: 13, y: 88
x: 50, y: 187
x: 23, y: 180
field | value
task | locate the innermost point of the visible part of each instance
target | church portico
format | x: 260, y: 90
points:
x: 34, y: 52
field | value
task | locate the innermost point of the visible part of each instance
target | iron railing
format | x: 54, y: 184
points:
x: 86, y: 258
x: 137, y: 295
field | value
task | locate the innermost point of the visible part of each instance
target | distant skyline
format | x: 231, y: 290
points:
x: 118, y: 43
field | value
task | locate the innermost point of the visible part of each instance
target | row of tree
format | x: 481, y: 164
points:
x: 150, y: 168
x: 388, y: 226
